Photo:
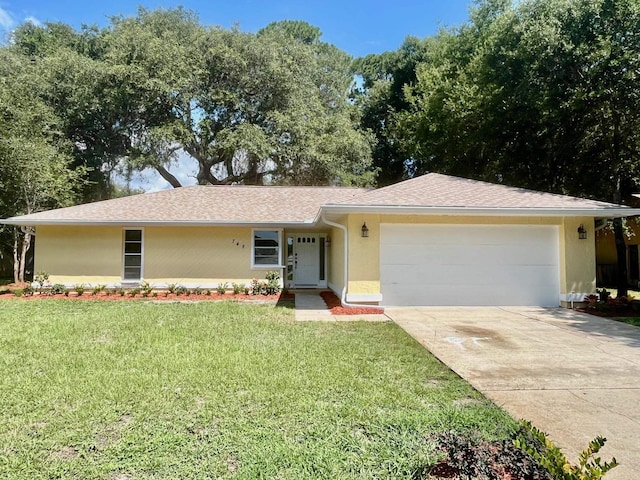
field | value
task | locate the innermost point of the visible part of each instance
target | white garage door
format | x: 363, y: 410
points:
x: 469, y: 265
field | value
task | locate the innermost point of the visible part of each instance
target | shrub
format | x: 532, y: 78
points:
x: 172, y: 287
x: 145, y: 288
x: 273, y: 282
x: 222, y: 288
x: 207, y: 292
x: 98, y: 289
x: 79, y: 289
x: 180, y: 290
x: 536, y: 444
x: 134, y: 291
x: 121, y: 292
x: 239, y: 288
x: 41, y: 278
x: 472, y: 457
x: 18, y: 292
x: 197, y: 291
x: 257, y: 286
x: 28, y: 290
x: 59, y: 289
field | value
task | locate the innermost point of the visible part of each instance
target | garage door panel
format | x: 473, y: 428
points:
x: 469, y: 265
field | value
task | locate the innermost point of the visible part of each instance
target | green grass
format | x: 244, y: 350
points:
x: 635, y: 321
x: 140, y: 390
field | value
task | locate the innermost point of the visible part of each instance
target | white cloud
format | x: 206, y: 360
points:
x: 33, y: 20
x: 6, y: 20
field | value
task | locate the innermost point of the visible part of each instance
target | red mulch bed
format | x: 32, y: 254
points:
x: 336, y: 308
x: 162, y: 296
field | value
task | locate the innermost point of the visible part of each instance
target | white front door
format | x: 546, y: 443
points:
x: 309, y: 260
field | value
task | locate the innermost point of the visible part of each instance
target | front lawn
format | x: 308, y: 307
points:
x: 144, y: 390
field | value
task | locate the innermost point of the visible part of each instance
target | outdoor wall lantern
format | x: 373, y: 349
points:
x: 365, y: 230
x: 327, y: 242
x: 582, y: 232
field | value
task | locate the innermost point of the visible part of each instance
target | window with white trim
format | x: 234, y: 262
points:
x: 132, y: 255
x: 266, y: 248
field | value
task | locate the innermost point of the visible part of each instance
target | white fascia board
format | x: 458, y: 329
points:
x: 477, y: 212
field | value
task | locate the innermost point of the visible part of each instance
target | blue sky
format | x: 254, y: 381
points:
x: 358, y: 27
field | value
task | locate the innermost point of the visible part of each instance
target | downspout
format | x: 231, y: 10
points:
x: 343, y: 294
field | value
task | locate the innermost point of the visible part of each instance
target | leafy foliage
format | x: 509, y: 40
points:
x: 149, y: 90
x: 536, y: 444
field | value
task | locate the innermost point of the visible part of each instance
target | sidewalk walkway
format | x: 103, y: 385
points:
x: 310, y: 307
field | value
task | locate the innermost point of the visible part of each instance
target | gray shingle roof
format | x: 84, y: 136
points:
x: 436, y: 190
x: 204, y: 204
x: 254, y: 205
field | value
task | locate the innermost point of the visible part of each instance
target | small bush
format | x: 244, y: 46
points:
x: 207, y: 292
x: 537, y: 445
x: 180, y: 290
x: 98, y: 289
x: 121, y: 292
x: 79, y: 289
x: 172, y: 287
x: 145, y: 288
x: 59, y: 289
x: 134, y: 291
x: 273, y: 282
x: 472, y: 457
x: 18, y: 292
x: 197, y: 291
x: 41, y: 278
x: 239, y: 288
x: 222, y: 288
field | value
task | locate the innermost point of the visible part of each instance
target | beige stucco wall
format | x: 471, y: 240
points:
x: 364, y: 255
x: 577, y: 257
x: 336, y: 260
x: 71, y: 255
x: 198, y: 255
x: 193, y: 256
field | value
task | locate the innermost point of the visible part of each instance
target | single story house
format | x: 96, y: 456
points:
x: 431, y: 240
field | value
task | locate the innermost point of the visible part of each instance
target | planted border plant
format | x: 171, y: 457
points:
x: 269, y: 286
x: 538, y: 445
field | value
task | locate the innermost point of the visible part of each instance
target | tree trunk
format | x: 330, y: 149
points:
x: 16, y: 261
x: 621, y: 246
x: 26, y: 243
x: 621, y: 250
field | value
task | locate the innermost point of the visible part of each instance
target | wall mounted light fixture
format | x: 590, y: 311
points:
x: 365, y: 230
x: 582, y: 232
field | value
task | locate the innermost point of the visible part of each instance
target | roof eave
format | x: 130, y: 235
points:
x: 485, y: 211
x: 149, y: 223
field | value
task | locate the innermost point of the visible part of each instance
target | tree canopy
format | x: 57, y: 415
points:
x: 541, y: 94
x: 270, y: 107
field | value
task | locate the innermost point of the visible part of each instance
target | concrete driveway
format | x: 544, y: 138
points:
x: 573, y: 375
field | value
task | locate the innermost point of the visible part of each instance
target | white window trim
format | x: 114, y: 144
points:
x: 253, y: 249
x: 133, y: 280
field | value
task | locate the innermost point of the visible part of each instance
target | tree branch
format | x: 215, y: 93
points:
x: 168, y: 176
